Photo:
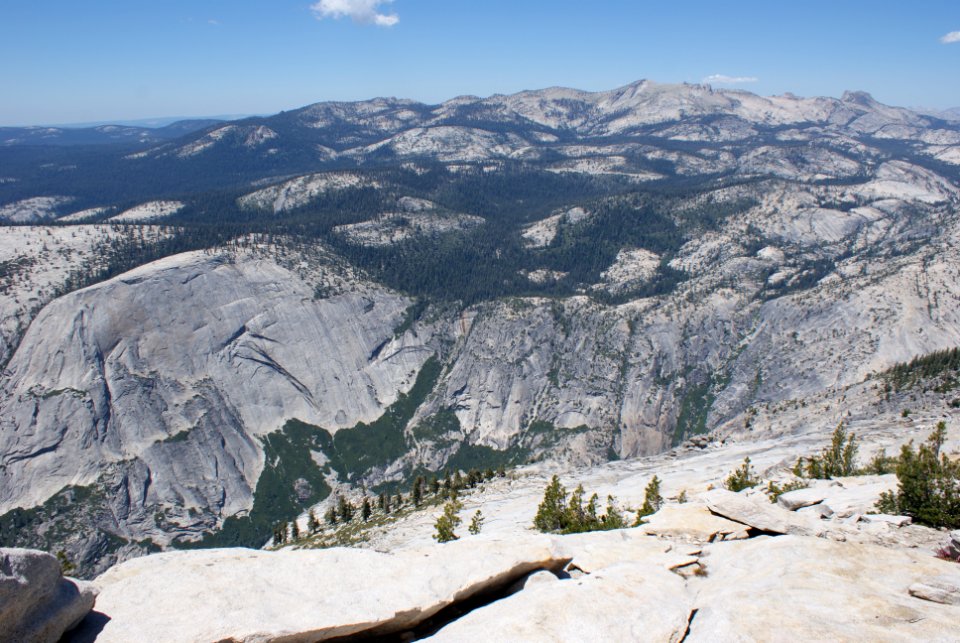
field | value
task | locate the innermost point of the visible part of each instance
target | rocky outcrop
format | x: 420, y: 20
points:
x: 37, y: 604
x: 151, y: 392
x: 815, y: 589
x: 628, y: 601
x: 759, y: 514
x: 943, y: 589
x: 246, y: 596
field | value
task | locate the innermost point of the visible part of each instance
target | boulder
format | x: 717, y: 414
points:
x: 307, y: 595
x: 951, y: 548
x: 631, y: 601
x: 692, y: 523
x: 37, y: 604
x: 814, y: 589
x: 593, y: 551
x: 858, y: 494
x: 758, y: 513
x: 943, y: 589
x: 799, y: 498
x: 896, y: 521
x: 817, y: 511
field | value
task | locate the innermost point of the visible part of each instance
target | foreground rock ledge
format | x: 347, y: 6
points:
x: 293, y: 596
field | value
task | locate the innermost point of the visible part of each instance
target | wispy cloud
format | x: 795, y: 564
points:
x: 364, y: 12
x: 723, y: 79
x: 215, y: 23
x: 953, y: 36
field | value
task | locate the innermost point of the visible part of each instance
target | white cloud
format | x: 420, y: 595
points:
x: 723, y: 79
x: 953, y: 36
x: 364, y: 12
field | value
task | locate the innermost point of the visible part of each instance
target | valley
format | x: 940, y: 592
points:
x: 207, y: 335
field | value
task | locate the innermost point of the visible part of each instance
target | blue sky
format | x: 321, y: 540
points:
x: 65, y: 61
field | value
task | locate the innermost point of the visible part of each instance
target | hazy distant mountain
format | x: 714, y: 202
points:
x: 101, y: 134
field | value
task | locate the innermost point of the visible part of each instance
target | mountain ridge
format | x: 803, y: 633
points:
x: 393, y: 288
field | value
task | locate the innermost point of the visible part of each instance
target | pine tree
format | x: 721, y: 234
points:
x: 476, y: 523
x: 294, y: 531
x: 928, y: 484
x: 448, y: 522
x: 344, y: 509
x: 416, y: 493
x: 382, y: 503
x: 612, y: 518
x: 551, y: 513
x: 434, y: 486
x: 652, y: 500
x: 836, y: 460
x: 313, y: 525
x: 399, y: 500
x: 331, y: 516
x: 365, y: 509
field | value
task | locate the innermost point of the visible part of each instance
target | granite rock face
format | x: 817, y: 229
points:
x: 248, y: 596
x: 37, y: 604
x: 154, y: 388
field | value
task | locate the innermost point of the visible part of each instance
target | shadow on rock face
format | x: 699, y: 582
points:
x: 88, y: 629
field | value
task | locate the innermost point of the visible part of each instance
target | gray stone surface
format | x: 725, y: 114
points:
x: 800, y: 498
x: 896, y: 521
x: 293, y: 596
x: 37, y: 604
x: 627, y: 601
x: 758, y: 513
x: 814, y: 589
x: 939, y: 589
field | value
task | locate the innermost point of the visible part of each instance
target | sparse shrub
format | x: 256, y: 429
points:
x: 448, y: 522
x: 476, y: 523
x: 66, y: 565
x: 905, y: 413
x: 881, y: 464
x: 928, y: 488
x: 943, y: 553
x: 682, y: 498
x: 741, y: 478
x: 280, y: 534
x: 839, y: 459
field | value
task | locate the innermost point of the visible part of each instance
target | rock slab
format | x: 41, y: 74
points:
x: 759, y: 514
x: 306, y: 595
x: 814, y: 589
x: 37, y: 604
x: 944, y: 589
